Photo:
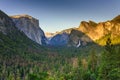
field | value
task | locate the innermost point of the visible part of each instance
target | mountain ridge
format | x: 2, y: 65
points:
x: 23, y: 59
x: 94, y: 31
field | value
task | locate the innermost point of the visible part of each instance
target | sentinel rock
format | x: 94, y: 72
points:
x: 30, y: 26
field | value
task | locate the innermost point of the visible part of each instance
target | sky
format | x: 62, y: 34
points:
x: 57, y: 15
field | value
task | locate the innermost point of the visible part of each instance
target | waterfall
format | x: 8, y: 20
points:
x: 78, y: 45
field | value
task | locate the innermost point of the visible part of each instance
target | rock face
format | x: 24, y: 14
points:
x: 96, y: 31
x: 30, y: 26
x: 6, y: 24
x: 78, y: 38
x: 91, y: 31
x: 59, y: 40
x: 70, y: 37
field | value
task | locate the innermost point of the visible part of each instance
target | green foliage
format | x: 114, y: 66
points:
x: 23, y: 59
x: 109, y: 67
x: 40, y: 76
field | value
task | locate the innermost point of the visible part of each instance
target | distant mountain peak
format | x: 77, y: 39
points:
x: 49, y: 34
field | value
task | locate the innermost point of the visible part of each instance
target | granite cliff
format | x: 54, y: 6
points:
x: 91, y: 32
x: 30, y: 26
x: 12, y: 40
x: 97, y: 32
x: 59, y: 40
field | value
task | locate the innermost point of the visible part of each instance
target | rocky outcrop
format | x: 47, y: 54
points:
x: 59, y: 40
x: 6, y: 24
x: 78, y: 38
x: 30, y: 26
x: 101, y: 29
x: 91, y: 31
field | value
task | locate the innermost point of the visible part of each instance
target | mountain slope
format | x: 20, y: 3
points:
x: 6, y: 24
x: 12, y: 38
x: 18, y: 53
x: 23, y: 59
x: 59, y: 40
x: 100, y: 32
x: 30, y: 26
x: 91, y: 31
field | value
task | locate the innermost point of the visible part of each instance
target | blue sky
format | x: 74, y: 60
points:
x: 56, y: 15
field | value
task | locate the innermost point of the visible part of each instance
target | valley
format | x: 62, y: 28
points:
x: 27, y: 54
